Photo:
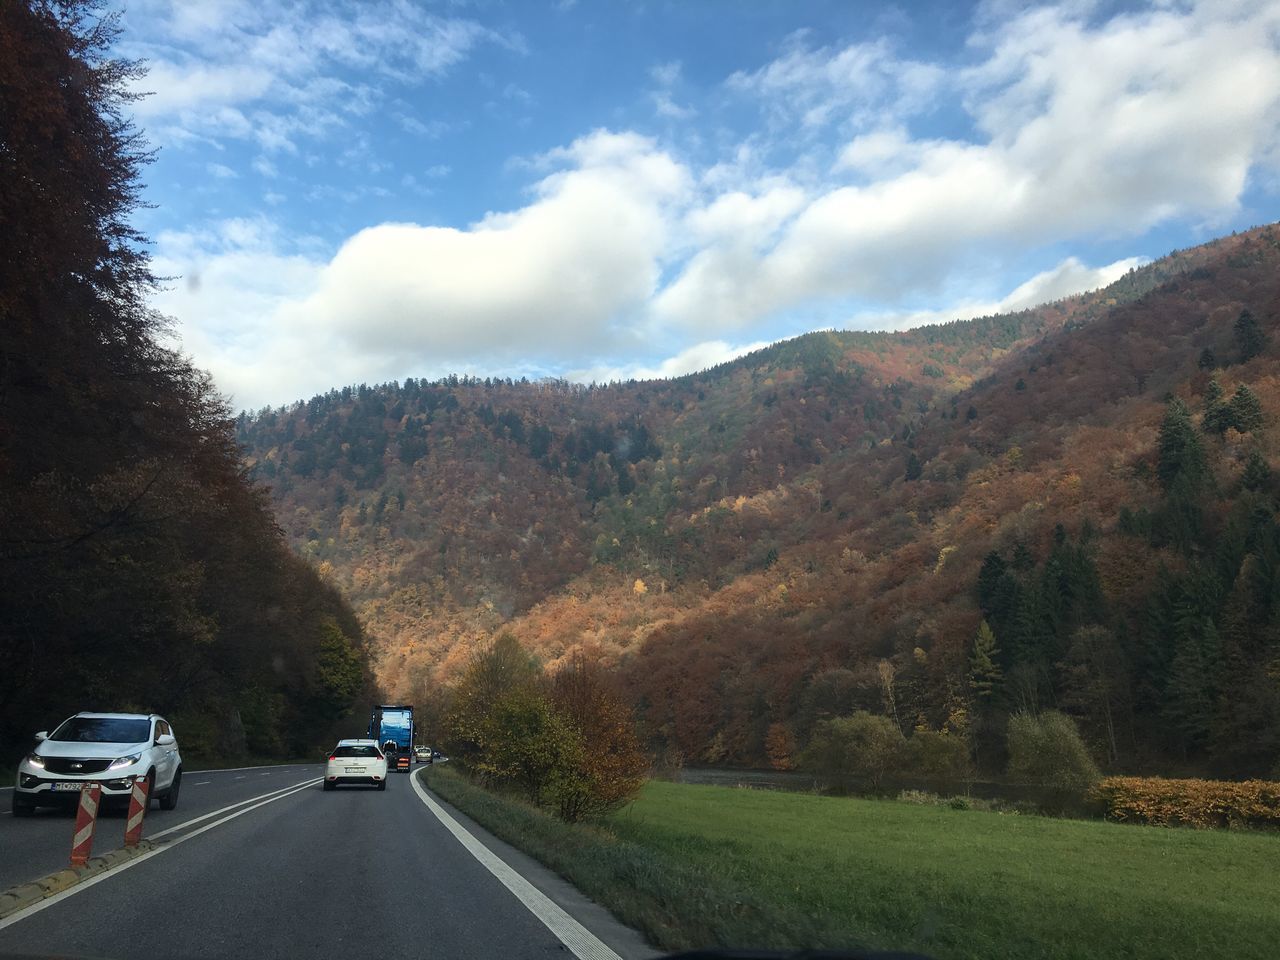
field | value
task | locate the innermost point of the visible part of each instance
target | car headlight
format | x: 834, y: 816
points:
x: 35, y: 760
x: 125, y: 761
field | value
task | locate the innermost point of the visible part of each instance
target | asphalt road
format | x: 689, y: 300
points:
x: 353, y: 872
x: 35, y: 846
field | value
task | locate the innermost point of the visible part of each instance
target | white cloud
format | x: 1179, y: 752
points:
x: 667, y: 76
x: 1174, y: 109
x: 277, y: 64
x: 550, y: 281
x: 854, y: 84
x: 699, y: 357
x: 1067, y: 278
x: 221, y: 171
x: 840, y: 211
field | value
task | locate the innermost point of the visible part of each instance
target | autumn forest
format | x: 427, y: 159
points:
x: 1071, y: 507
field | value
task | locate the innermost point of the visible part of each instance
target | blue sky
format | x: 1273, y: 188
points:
x: 366, y: 191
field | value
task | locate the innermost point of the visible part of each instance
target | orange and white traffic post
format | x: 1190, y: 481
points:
x: 86, y: 822
x: 139, y: 800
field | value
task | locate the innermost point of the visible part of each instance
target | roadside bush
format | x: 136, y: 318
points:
x: 610, y: 766
x: 529, y: 745
x: 1196, y: 803
x: 1046, y: 750
x: 568, y: 743
x: 862, y: 748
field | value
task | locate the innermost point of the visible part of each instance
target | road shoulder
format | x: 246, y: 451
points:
x: 626, y: 942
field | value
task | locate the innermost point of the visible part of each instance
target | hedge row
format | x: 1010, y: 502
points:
x: 1196, y: 803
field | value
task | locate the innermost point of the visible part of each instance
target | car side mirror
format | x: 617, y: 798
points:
x: 165, y: 740
x: 42, y: 735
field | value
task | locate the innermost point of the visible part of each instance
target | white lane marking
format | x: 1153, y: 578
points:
x: 241, y: 777
x: 264, y: 774
x: 584, y: 944
x: 201, y: 783
x: 2, y: 789
x: 115, y: 871
x: 273, y: 766
x: 231, y: 806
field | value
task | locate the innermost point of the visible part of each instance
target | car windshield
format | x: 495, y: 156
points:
x: 350, y: 751
x: 102, y: 730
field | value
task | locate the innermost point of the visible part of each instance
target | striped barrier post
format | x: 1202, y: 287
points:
x: 86, y: 822
x: 138, y: 803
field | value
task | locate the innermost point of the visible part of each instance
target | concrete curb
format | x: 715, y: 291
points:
x: 25, y: 894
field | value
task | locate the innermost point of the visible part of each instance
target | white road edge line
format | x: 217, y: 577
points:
x: 86, y: 884
x: 584, y: 944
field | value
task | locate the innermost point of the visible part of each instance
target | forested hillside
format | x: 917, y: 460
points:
x: 825, y: 524
x: 140, y: 567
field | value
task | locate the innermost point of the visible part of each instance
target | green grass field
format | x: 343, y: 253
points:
x: 692, y: 865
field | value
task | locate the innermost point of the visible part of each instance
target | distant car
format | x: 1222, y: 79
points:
x: 356, y: 761
x: 113, y: 749
x: 422, y: 754
x: 438, y: 757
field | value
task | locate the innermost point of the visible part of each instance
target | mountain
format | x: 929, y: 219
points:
x: 822, y: 525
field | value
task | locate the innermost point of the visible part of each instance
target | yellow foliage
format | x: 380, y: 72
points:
x: 1196, y: 803
x: 942, y: 558
x: 639, y: 589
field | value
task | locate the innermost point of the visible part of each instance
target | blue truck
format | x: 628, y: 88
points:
x: 392, y: 726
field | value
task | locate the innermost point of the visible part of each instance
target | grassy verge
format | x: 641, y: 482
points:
x: 702, y: 866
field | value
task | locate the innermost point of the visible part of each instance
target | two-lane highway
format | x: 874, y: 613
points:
x: 353, y: 872
x: 37, y: 846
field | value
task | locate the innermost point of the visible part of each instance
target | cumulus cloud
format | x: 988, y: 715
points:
x: 557, y: 278
x: 700, y: 356
x: 625, y: 248
x: 1171, y: 114
x: 1065, y: 279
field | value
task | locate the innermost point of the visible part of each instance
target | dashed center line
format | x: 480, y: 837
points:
x: 201, y: 783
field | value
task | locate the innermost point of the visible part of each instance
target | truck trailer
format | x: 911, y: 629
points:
x: 392, y: 726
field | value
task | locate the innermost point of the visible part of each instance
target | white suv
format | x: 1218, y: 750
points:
x: 113, y: 749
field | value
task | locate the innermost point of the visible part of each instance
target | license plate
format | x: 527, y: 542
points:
x: 355, y: 769
x: 71, y: 786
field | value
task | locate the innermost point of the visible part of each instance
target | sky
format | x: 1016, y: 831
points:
x: 356, y: 192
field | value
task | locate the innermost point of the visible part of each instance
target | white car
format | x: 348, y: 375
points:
x: 113, y: 749
x: 356, y: 761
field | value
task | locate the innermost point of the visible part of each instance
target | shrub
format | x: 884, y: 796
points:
x: 1046, y: 750
x: 1196, y: 803
x: 528, y: 744
x: 862, y: 747
x: 939, y: 756
x: 610, y: 766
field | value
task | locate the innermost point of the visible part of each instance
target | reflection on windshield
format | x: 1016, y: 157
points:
x: 102, y: 730
x: 356, y: 752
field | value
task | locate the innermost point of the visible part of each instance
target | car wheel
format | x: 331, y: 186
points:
x: 22, y: 807
x: 382, y: 784
x: 169, y: 799
x: 328, y: 785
